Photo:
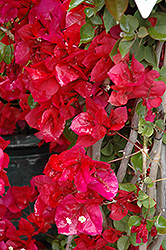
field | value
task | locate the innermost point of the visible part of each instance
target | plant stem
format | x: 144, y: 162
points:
x: 69, y: 240
x: 144, y: 152
x: 128, y: 148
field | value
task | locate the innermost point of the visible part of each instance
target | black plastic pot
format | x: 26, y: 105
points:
x: 26, y: 158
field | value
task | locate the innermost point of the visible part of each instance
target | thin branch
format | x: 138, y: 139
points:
x: 159, y: 50
x: 128, y: 148
x: 94, y: 150
x: 69, y: 240
x: 124, y: 157
x: 155, y: 245
x: 143, y: 247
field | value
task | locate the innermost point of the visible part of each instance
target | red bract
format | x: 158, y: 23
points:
x: 135, y: 82
x: 75, y: 166
x: 4, y: 161
x: 42, y: 82
x: 151, y: 91
x: 8, y: 10
x: 97, y: 60
x: 93, y: 124
x: 122, y: 204
x: 47, y: 120
x: 17, y: 198
x: 70, y: 165
x: 141, y: 232
x: 42, y: 222
x: 122, y: 75
x: 104, y: 181
x: 8, y: 118
x: 51, y: 192
x: 73, y: 217
x: 111, y: 235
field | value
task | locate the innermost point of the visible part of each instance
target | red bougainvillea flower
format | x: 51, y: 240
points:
x: 87, y: 242
x: 151, y: 90
x: 134, y: 82
x: 123, y: 203
x: 141, y: 232
x: 93, y: 124
x: 8, y: 10
x: 75, y: 166
x: 97, y: 60
x: 17, y: 198
x: 51, y: 192
x: 111, y: 235
x: 71, y: 165
x: 4, y: 161
x: 73, y: 217
x: 8, y: 118
x: 47, y: 120
x: 123, y: 75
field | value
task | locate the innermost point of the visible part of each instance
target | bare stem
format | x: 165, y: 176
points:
x: 128, y: 148
x: 69, y: 240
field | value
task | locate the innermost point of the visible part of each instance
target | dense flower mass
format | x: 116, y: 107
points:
x: 73, y: 76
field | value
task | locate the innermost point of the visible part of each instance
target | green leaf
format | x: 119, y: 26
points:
x: 87, y: 33
x: 148, y: 203
x: 55, y: 246
x: 89, y: 12
x: 124, y: 47
x: 96, y: 20
x: 107, y: 158
x: 129, y: 187
x: 158, y: 32
x: 160, y: 224
x: 140, y: 110
x: 108, y: 19
x: 74, y: 3
x: 160, y: 124
x: 142, y: 196
x: 145, y: 127
x: 138, y: 50
x: 127, y: 37
x: 116, y: 8
x: 98, y: 5
x: 149, y: 225
x: 68, y: 133
x: 32, y: 104
x: 133, y: 240
x: 123, y: 243
x: 147, y: 180
x: 129, y: 23
x: 150, y: 56
x: 108, y: 149
x: 142, y: 32
x: 137, y: 161
x: 142, y: 21
x: 8, y: 54
x: 114, y: 50
x: 146, y: 211
x: 134, y: 221
x: 2, y: 48
x: 121, y: 225
x: 164, y: 139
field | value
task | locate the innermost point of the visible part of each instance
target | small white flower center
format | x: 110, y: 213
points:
x: 68, y: 221
x: 82, y: 219
x: 10, y: 248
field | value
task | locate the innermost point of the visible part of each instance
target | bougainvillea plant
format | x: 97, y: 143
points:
x: 89, y: 77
